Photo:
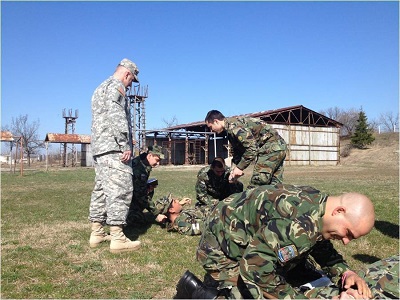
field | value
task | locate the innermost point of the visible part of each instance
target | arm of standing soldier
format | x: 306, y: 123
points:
x: 249, y: 143
x: 118, y: 114
x: 268, y: 251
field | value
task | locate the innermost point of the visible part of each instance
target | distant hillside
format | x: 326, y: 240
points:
x: 384, y: 150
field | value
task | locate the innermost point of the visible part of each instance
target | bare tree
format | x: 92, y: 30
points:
x: 333, y: 113
x: 347, y: 117
x: 172, y: 122
x: 389, y: 121
x: 21, y: 127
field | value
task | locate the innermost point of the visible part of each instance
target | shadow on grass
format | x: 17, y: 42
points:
x: 387, y: 228
x: 365, y: 258
x: 134, y: 230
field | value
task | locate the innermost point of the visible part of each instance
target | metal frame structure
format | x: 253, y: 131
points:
x: 190, y: 156
x: 137, y: 108
x: 70, y: 121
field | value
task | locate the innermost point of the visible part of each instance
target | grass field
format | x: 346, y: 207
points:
x: 45, y: 232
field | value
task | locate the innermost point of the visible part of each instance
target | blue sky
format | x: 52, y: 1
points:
x: 237, y: 57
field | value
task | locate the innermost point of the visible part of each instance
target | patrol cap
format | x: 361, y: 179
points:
x: 131, y: 66
x: 156, y: 150
x: 162, y: 205
x: 152, y: 181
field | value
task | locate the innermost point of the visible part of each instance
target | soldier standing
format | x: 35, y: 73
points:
x: 254, y: 239
x: 142, y: 199
x: 112, y: 155
x: 252, y: 140
x: 213, y: 183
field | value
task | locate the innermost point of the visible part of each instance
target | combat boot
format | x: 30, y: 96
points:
x: 119, y: 242
x: 98, y: 235
x: 191, y: 287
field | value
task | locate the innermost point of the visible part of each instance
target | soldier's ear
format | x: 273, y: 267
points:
x: 339, y: 210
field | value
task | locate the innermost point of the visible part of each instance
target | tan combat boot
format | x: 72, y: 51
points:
x: 119, y: 242
x: 98, y: 235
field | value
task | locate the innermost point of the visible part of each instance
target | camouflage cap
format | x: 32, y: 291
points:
x: 156, y: 150
x: 131, y: 66
x: 163, y: 204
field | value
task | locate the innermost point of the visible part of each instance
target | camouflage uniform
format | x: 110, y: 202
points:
x: 254, y: 239
x: 111, y: 135
x: 210, y: 188
x: 141, y: 199
x: 382, y: 278
x: 190, y: 221
x: 254, y: 140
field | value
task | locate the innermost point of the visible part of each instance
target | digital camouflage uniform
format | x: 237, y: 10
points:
x: 210, y: 188
x: 141, y: 199
x: 110, y: 136
x: 253, y: 140
x: 261, y: 235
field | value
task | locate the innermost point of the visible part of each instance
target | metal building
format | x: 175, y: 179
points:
x: 312, y: 138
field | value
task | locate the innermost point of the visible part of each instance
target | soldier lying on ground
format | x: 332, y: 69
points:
x: 253, y: 240
x: 187, y: 221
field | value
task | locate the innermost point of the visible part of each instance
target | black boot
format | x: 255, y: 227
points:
x: 191, y: 287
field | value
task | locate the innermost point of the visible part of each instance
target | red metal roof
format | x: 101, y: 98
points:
x: 6, y: 136
x: 67, y: 138
x: 294, y: 115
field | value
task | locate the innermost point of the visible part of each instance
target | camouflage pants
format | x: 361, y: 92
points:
x: 112, y: 191
x: 268, y: 168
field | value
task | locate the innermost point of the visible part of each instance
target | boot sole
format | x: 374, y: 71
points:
x: 125, y: 249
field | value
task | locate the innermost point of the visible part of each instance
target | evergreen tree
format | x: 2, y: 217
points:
x: 363, y: 134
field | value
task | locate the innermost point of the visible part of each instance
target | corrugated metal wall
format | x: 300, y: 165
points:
x: 311, y: 145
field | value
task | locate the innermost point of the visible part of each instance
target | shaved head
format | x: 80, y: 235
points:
x: 360, y: 211
x: 347, y: 217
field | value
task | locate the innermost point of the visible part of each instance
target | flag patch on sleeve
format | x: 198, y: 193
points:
x: 287, y: 253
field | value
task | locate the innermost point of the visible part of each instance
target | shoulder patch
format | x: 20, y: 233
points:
x: 287, y: 253
x: 240, y: 138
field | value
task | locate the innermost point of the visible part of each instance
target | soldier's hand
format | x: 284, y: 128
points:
x: 161, y: 218
x: 185, y: 201
x: 349, y: 294
x: 344, y: 295
x: 235, y: 174
x: 354, y: 281
x: 126, y: 156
